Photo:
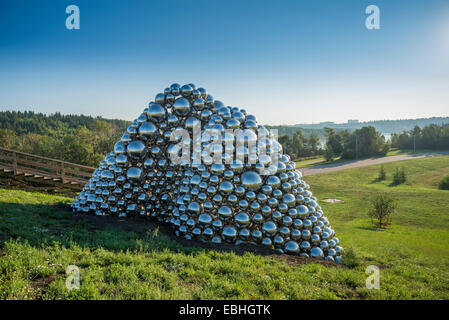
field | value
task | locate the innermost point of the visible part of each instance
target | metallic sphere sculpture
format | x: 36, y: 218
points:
x: 213, y: 174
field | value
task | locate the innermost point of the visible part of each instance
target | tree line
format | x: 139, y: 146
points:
x: 298, y: 145
x: 364, y: 142
x: 85, y: 140
x: 389, y: 126
x: 368, y: 142
x: 291, y: 130
x: 361, y: 143
x: 75, y: 138
x: 430, y: 137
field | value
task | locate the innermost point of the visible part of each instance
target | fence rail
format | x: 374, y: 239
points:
x: 42, y: 168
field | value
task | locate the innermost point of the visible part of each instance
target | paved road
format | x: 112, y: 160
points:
x: 367, y: 162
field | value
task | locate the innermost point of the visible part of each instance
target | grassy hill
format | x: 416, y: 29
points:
x: 40, y: 238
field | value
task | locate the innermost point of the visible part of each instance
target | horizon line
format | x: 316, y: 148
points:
x: 271, y: 125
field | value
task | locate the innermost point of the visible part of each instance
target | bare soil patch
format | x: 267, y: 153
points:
x: 41, y: 283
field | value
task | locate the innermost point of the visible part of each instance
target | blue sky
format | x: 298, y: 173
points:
x: 285, y: 61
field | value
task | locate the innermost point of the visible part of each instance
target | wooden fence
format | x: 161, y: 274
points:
x: 42, y: 169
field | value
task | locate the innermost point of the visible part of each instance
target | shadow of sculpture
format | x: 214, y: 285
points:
x: 41, y: 224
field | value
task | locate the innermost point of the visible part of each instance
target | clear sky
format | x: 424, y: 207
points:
x: 284, y: 61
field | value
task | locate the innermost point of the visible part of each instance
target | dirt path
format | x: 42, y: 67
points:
x: 367, y: 162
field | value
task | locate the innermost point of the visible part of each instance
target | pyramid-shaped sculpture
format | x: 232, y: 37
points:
x: 213, y: 174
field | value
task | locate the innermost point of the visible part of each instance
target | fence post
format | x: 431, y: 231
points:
x: 62, y: 172
x: 14, y: 162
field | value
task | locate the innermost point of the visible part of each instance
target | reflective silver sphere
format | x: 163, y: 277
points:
x: 227, y: 192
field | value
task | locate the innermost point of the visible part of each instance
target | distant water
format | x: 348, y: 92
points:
x: 387, y: 136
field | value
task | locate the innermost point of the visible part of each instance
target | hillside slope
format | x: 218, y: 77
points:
x: 40, y: 238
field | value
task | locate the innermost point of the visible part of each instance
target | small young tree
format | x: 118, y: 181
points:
x: 403, y: 176
x: 382, y: 207
x: 444, y: 183
x: 396, y: 177
x: 382, y: 174
x: 399, y: 176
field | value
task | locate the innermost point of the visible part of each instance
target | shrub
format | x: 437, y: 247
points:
x: 382, y: 207
x: 444, y: 183
x: 399, y: 176
x: 382, y: 174
x: 350, y: 259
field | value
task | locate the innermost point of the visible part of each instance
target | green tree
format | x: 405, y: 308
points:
x: 382, y: 174
x: 365, y: 142
x: 313, y: 143
x: 37, y: 144
x: 399, y: 176
x: 285, y: 141
x: 298, y: 144
x: 334, y: 141
x: 7, y: 138
x: 76, y: 138
x: 382, y: 207
x: 328, y: 154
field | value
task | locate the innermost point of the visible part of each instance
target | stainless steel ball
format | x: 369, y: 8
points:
x: 240, y: 196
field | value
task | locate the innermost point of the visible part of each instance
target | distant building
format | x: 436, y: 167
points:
x: 353, y: 121
x: 327, y: 123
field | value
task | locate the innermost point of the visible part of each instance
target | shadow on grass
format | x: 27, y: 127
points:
x: 391, y: 184
x: 396, y: 184
x: 376, y: 180
x: 40, y: 224
x: 371, y: 228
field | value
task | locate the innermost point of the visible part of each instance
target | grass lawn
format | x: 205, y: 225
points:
x: 396, y: 151
x: 316, y: 161
x: 302, y: 162
x: 39, y: 239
